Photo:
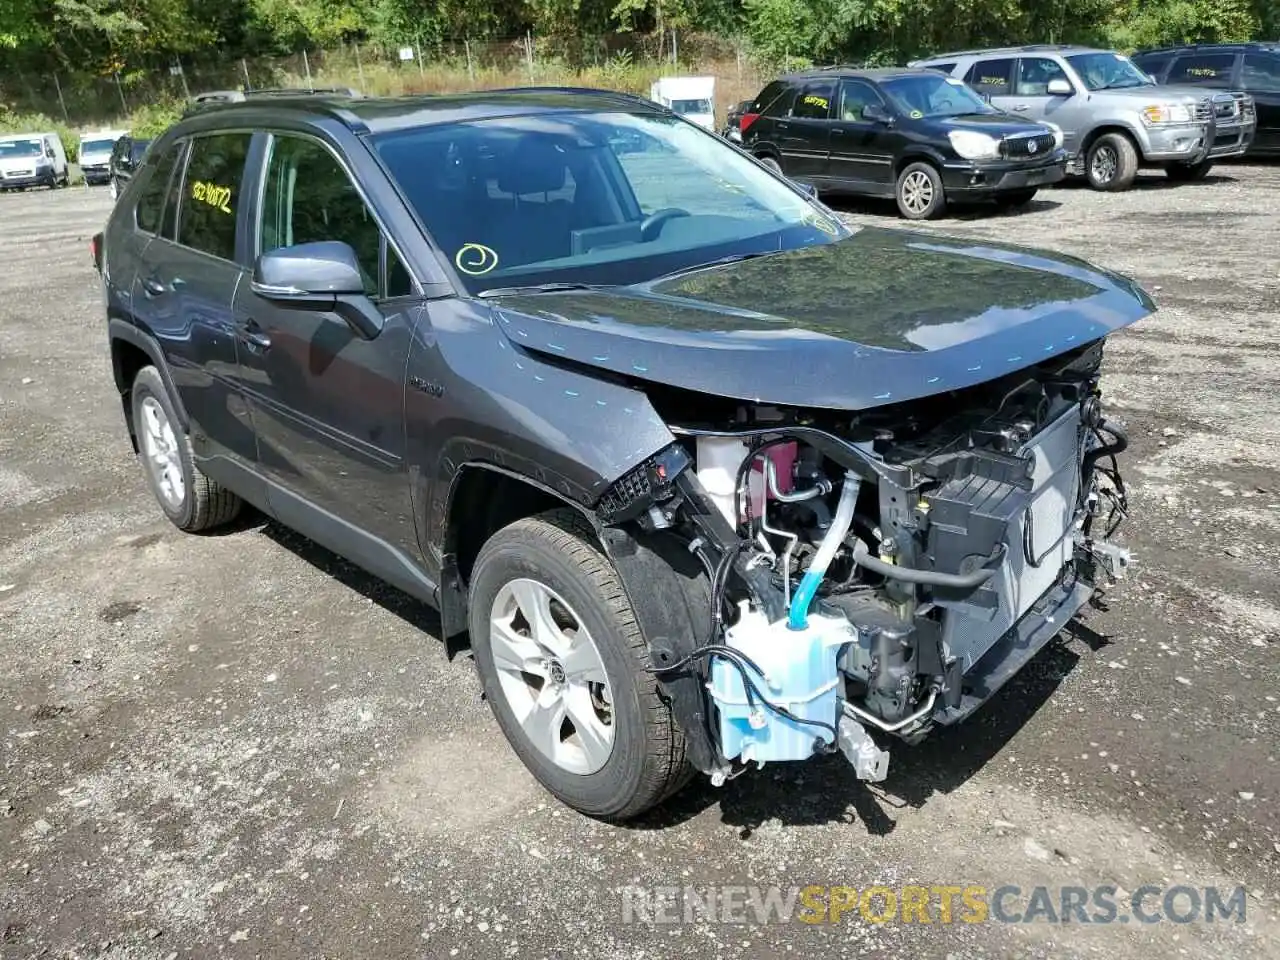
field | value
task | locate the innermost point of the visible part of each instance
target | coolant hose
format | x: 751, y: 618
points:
x: 798, y: 615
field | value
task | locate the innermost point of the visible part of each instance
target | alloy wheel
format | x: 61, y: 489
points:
x: 917, y: 191
x: 552, y: 676
x: 1104, y: 165
x: 160, y: 452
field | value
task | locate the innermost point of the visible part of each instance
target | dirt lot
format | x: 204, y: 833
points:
x: 238, y: 745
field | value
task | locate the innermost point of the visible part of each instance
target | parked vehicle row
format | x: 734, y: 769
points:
x: 32, y: 160
x: 1003, y: 122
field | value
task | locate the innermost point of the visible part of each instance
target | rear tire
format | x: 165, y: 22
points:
x: 1111, y: 163
x: 190, y: 500
x: 578, y: 670
x: 919, y: 192
x: 1188, y: 172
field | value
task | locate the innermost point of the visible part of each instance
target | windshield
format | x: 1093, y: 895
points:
x: 1108, y: 71
x: 100, y: 145
x: 609, y: 198
x: 691, y: 106
x: 20, y: 148
x: 934, y: 95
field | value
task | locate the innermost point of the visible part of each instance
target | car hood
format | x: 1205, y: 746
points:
x: 91, y: 157
x: 20, y: 163
x: 1155, y: 93
x: 996, y: 124
x: 880, y: 317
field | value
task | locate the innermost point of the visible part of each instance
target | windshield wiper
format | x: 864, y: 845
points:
x: 732, y: 258
x: 557, y: 287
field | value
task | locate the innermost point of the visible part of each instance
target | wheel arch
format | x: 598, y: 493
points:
x: 131, y: 350
x: 916, y: 155
x: 1114, y: 126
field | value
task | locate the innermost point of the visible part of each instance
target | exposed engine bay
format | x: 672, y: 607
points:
x: 877, y: 574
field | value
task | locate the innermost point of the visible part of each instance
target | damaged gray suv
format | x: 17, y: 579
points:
x: 711, y: 479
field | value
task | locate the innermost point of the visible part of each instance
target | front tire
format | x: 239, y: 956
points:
x: 771, y: 163
x: 190, y: 500
x: 919, y: 192
x: 564, y: 667
x: 1112, y: 162
x: 1188, y: 172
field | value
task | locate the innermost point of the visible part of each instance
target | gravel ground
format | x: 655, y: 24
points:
x: 240, y: 746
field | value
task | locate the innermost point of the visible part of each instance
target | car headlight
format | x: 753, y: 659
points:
x: 1167, y: 113
x: 973, y: 145
x: 1057, y: 134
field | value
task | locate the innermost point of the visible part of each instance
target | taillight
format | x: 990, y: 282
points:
x: 95, y: 250
x: 747, y: 120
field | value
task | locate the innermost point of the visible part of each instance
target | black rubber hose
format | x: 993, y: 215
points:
x: 1107, y: 449
x: 928, y: 578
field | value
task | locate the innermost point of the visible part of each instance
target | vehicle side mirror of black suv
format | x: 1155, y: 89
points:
x: 318, y: 276
x: 877, y: 113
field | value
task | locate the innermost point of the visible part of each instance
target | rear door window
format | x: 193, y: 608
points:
x: 814, y: 101
x: 993, y: 78
x: 211, y: 193
x: 1210, y: 69
x: 1261, y: 72
x: 150, y: 210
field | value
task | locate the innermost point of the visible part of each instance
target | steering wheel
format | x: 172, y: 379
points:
x: 651, y: 224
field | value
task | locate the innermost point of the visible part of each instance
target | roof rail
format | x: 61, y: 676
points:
x: 596, y: 91
x: 212, y: 98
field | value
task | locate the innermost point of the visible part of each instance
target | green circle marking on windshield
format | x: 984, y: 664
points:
x: 475, y: 259
x: 917, y: 115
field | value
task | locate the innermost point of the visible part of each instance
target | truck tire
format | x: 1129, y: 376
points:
x: 1187, y: 172
x: 190, y: 500
x: 919, y: 192
x: 564, y: 667
x: 1111, y: 163
x: 771, y: 163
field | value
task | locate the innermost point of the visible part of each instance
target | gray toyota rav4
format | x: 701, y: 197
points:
x: 1114, y: 118
x: 712, y: 479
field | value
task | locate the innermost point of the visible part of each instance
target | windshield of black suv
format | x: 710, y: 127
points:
x: 96, y: 146
x: 1108, y: 71
x: 20, y: 148
x: 602, y: 198
x: 933, y: 95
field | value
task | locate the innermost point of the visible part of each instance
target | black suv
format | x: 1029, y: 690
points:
x: 911, y: 134
x: 709, y: 477
x: 1251, y: 67
x: 126, y: 156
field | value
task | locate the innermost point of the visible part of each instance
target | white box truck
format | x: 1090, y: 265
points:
x: 694, y: 98
x: 95, y: 154
x: 32, y: 160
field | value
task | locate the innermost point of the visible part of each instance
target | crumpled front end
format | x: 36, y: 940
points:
x: 876, y: 575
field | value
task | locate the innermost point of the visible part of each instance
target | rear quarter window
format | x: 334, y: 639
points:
x: 940, y: 67
x: 773, y: 100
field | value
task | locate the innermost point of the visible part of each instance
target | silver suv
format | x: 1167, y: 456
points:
x: 1114, y: 118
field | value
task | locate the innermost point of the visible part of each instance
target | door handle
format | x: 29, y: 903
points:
x: 837, y: 132
x: 253, y: 335
x: 1021, y: 106
x: 783, y: 125
x: 153, y: 287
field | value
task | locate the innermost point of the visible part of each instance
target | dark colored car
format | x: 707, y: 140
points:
x: 911, y: 134
x: 126, y: 156
x: 1251, y: 67
x: 710, y: 477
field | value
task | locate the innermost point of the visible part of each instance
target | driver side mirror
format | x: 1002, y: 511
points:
x: 1058, y: 87
x: 323, y: 276
x: 876, y: 113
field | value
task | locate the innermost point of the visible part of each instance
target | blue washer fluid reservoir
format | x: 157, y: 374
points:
x: 799, y: 673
